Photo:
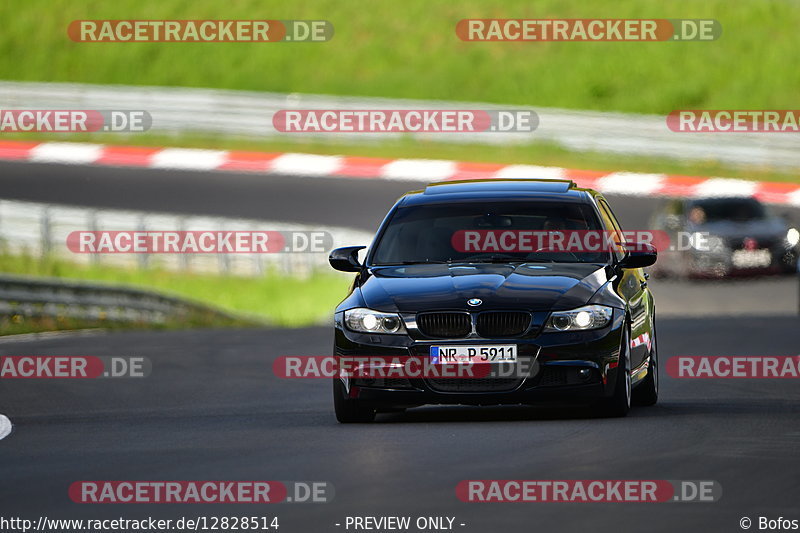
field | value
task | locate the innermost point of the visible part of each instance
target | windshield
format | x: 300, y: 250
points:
x: 482, y: 231
x: 735, y: 209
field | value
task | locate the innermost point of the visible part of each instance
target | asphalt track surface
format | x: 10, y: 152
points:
x: 357, y: 203
x: 212, y: 409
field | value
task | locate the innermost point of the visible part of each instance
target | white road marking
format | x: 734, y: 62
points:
x: 794, y: 198
x: 721, y: 187
x: 306, y: 164
x: 530, y: 172
x: 188, y: 158
x: 633, y: 183
x: 5, y: 427
x: 418, y: 170
x: 68, y: 153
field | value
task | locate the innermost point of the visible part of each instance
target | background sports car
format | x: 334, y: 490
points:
x: 717, y: 237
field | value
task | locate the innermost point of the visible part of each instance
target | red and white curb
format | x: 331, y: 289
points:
x: 5, y: 427
x: 424, y: 170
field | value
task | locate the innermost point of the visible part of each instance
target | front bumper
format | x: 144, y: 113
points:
x: 736, y: 261
x: 558, y: 366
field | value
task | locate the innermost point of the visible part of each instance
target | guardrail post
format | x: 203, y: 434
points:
x: 223, y: 260
x: 94, y: 257
x: 44, y: 227
x: 144, y: 259
x: 183, y: 260
x: 258, y: 262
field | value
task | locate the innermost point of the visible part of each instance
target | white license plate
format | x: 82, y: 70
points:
x: 498, y: 353
x: 751, y: 258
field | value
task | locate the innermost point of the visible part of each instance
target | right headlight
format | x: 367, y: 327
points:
x: 792, y: 237
x: 368, y: 321
x: 582, y: 318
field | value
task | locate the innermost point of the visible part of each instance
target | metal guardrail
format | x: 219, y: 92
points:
x: 56, y: 298
x: 249, y: 114
x: 41, y: 230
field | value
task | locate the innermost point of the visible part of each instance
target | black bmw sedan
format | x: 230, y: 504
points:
x: 458, y: 274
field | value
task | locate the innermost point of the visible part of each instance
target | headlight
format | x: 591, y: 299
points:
x: 792, y: 237
x: 582, y: 318
x: 369, y: 321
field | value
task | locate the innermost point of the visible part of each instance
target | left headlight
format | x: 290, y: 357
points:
x: 369, y: 321
x: 582, y: 318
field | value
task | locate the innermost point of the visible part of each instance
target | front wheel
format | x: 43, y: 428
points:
x: 620, y: 403
x: 647, y: 391
x: 350, y: 410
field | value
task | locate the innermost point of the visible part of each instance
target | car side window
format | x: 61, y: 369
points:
x: 611, y: 224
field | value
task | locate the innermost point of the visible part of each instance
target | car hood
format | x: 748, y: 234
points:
x: 529, y: 286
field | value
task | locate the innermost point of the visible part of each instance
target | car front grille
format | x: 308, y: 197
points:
x: 740, y: 243
x: 488, y: 384
x: 495, y: 324
x: 444, y: 325
x: 489, y: 325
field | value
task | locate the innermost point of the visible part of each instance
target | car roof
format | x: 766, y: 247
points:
x: 498, y: 189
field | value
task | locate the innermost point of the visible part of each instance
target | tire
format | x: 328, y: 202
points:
x: 619, y: 404
x: 349, y: 410
x: 647, y: 391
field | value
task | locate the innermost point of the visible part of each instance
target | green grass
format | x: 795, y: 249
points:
x: 274, y: 299
x: 410, y: 49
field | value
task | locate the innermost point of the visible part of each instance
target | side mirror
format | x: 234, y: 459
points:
x: 639, y: 255
x: 346, y: 259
